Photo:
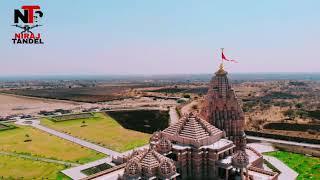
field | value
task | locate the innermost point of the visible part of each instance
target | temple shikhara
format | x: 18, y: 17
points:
x: 221, y: 107
x: 209, y: 144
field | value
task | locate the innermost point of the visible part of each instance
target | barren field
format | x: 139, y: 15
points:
x: 10, y: 104
x: 83, y: 94
x: 293, y: 102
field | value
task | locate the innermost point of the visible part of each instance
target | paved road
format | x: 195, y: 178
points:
x: 283, y: 142
x: 262, y: 147
x: 39, y: 159
x: 286, y: 172
x: 174, y: 117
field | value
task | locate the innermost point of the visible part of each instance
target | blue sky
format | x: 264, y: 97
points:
x: 167, y: 36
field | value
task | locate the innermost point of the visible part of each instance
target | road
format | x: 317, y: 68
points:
x: 174, y: 117
x: 283, y: 142
x: 39, y: 159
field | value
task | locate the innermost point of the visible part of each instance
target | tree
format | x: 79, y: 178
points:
x: 28, y: 139
x: 290, y: 114
x: 186, y: 96
x: 299, y: 105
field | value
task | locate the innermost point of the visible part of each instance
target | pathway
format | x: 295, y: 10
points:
x: 286, y: 172
x: 283, y: 142
x: 39, y: 159
x: 174, y: 117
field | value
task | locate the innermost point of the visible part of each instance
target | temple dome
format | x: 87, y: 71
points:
x: 167, y: 169
x: 240, y: 159
x: 164, y: 145
x: 192, y: 130
x: 148, y: 163
x: 133, y: 169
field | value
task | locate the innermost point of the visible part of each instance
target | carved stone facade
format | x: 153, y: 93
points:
x: 149, y: 164
x: 221, y: 107
x: 197, y: 148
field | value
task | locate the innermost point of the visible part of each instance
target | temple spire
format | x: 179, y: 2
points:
x: 221, y: 70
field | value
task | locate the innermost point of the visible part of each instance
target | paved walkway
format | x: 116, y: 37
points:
x: 286, y: 172
x: 39, y: 159
x: 283, y: 142
x: 174, y: 117
x: 262, y: 147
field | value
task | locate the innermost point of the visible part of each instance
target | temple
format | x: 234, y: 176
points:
x: 210, y: 144
x: 222, y: 109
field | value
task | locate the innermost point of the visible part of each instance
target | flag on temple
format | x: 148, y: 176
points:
x: 226, y: 59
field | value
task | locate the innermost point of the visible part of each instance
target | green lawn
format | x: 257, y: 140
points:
x: 307, y: 167
x: 18, y: 168
x: 102, y: 130
x: 44, y: 145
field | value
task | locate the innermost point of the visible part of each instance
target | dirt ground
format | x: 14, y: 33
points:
x: 10, y: 105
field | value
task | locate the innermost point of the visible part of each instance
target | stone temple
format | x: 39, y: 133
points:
x: 210, y: 144
x: 222, y: 109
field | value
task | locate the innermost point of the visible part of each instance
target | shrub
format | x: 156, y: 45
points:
x: 186, y: 96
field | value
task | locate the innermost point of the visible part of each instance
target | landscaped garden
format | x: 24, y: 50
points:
x: 101, y: 129
x: 30, y: 141
x: 307, y: 167
x: 20, y: 168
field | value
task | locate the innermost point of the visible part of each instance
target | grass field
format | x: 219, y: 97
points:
x: 18, y: 168
x: 102, y: 130
x: 44, y: 145
x: 307, y: 167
